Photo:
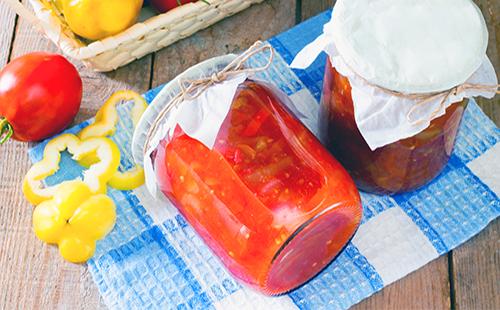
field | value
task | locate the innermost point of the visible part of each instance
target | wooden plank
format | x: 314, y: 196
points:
x: 311, y: 8
x: 231, y: 35
x: 491, y: 12
x: 474, y: 266
x: 7, y: 22
x: 427, y: 288
x: 475, y: 271
x: 33, y: 275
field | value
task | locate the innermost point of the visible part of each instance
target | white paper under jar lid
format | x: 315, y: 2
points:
x: 411, y: 46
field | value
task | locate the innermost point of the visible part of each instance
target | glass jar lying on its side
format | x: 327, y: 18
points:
x: 397, y: 167
x: 266, y: 197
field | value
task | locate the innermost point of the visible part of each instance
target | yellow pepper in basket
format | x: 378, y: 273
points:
x: 74, y: 219
x: 96, y: 177
x: 105, y: 125
x: 97, y: 19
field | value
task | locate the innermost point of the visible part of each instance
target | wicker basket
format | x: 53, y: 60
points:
x: 139, y: 40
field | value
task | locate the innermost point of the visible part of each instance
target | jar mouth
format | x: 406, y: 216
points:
x: 170, y: 90
x: 312, y: 247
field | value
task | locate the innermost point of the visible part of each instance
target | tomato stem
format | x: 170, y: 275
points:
x: 6, y: 130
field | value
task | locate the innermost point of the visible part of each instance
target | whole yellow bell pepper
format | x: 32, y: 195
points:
x: 96, y: 177
x: 97, y: 19
x: 74, y: 219
x: 105, y: 125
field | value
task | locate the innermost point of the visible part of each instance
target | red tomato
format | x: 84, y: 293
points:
x: 40, y: 94
x: 165, y: 5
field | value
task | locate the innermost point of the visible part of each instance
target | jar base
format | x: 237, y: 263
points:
x: 311, y: 248
x: 379, y: 190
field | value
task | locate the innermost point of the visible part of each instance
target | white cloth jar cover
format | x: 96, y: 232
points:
x: 407, y: 47
x: 200, y: 118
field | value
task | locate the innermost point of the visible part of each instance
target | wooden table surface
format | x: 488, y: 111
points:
x: 33, y: 276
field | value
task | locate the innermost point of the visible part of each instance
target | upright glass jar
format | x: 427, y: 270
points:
x: 400, y: 166
x: 398, y: 77
x: 268, y: 199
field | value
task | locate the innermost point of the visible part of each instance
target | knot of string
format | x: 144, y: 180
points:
x: 192, y: 89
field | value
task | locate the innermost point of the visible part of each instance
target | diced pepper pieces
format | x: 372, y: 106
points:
x: 255, y: 124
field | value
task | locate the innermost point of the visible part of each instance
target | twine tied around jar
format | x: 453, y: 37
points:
x: 192, y: 89
x: 425, y: 98
x: 422, y: 99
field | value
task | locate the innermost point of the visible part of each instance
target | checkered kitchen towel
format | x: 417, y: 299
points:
x: 154, y: 259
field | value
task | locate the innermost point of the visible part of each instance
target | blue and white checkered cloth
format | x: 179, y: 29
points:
x: 154, y: 259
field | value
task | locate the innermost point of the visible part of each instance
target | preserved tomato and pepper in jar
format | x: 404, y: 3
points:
x: 400, y: 166
x: 398, y: 77
x: 268, y: 199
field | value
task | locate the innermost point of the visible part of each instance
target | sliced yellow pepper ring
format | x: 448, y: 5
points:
x: 96, y: 177
x: 105, y: 125
x: 107, y: 117
x: 128, y: 180
x: 74, y: 219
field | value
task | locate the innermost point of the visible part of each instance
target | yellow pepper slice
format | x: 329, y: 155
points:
x: 74, y: 219
x: 128, y: 180
x: 105, y: 125
x: 107, y: 116
x: 96, y: 177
